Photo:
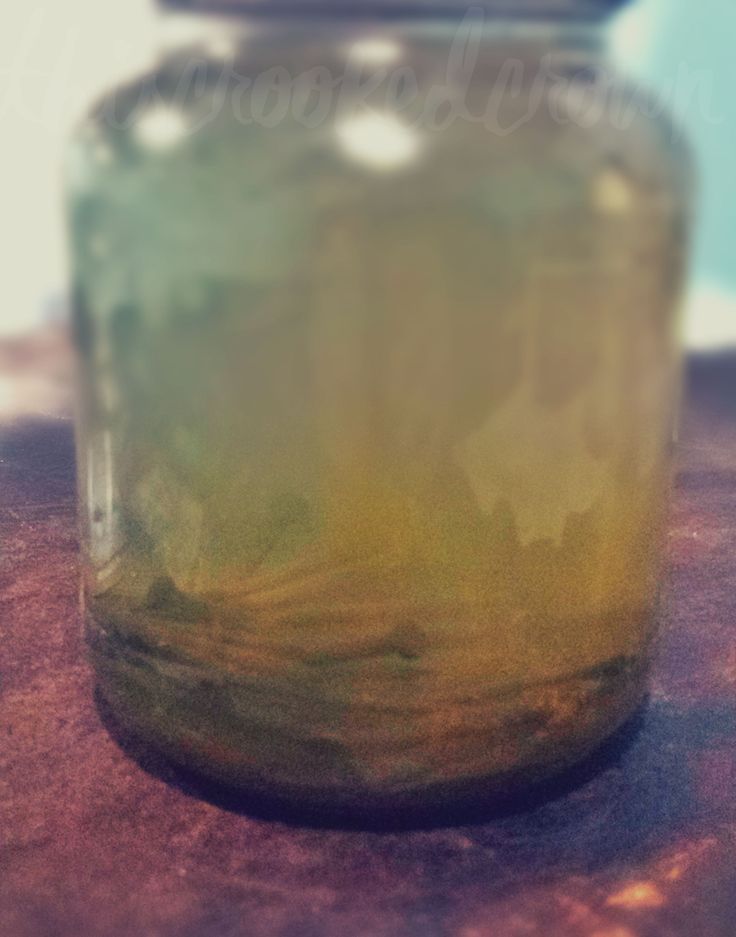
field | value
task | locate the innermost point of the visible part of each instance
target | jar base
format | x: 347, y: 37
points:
x: 156, y: 705
x: 475, y: 800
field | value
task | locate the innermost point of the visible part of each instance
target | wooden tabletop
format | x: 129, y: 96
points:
x: 100, y: 839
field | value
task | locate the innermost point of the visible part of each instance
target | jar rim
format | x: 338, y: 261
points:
x: 403, y: 9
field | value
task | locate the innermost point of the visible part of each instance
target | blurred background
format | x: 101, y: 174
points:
x: 57, y: 57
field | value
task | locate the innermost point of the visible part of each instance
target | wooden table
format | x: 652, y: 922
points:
x: 102, y: 840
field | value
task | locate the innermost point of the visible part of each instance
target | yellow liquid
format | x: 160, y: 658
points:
x: 376, y: 463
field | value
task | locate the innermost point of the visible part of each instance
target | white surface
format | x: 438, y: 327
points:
x: 53, y: 62
x: 710, y: 318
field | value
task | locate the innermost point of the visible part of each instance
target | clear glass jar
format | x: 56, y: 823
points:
x: 377, y: 326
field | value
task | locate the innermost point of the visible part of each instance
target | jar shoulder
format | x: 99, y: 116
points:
x: 298, y: 116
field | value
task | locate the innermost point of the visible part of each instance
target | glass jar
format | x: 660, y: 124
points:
x: 376, y: 317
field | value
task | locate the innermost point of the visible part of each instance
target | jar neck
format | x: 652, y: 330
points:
x: 525, y: 37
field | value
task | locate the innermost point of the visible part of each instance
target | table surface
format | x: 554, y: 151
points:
x: 99, y: 839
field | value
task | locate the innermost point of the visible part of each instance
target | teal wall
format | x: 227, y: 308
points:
x: 698, y: 38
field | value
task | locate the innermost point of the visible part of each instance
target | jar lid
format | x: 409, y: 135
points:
x: 527, y: 9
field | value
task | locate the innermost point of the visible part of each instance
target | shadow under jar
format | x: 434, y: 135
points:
x: 376, y: 317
